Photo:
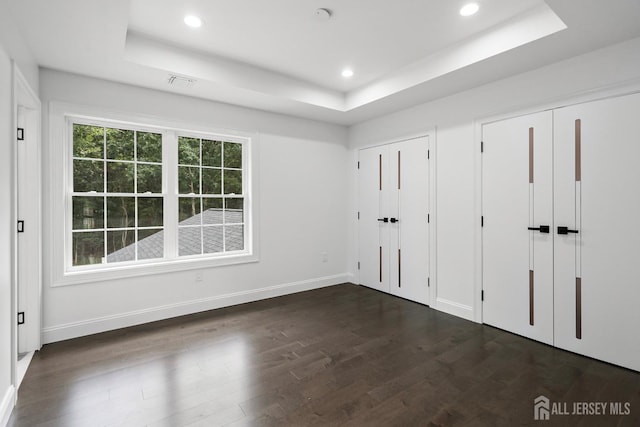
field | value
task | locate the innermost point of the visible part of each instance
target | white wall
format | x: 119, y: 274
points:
x: 457, y: 160
x: 301, y: 175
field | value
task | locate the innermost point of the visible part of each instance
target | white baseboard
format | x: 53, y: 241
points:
x: 7, y: 404
x: 454, y: 308
x: 152, y: 314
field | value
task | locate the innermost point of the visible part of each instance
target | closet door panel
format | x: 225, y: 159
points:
x: 409, y: 203
x: 373, y: 205
x: 597, y: 195
x: 516, y: 196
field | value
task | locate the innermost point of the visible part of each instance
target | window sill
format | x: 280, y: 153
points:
x: 115, y: 272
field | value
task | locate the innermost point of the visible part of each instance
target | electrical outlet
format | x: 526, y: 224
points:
x: 325, y: 257
x: 198, y: 276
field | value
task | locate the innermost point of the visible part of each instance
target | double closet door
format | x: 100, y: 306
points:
x: 394, y: 218
x: 561, y: 199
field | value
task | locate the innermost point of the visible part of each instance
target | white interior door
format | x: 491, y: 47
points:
x: 28, y: 209
x: 373, y: 205
x: 409, y: 226
x: 516, y: 198
x: 597, y: 199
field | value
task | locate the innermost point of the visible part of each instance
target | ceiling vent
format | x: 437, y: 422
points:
x: 180, y: 82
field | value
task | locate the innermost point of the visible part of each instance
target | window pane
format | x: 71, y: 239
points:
x: 150, y: 212
x: 149, y: 147
x: 189, y: 211
x: 121, y: 212
x: 212, y: 240
x: 211, y: 181
x: 120, y: 177
x: 234, y: 238
x: 88, y: 141
x: 88, y: 213
x: 149, y: 178
x: 88, y: 175
x: 232, y: 155
x: 232, y: 182
x: 120, y: 246
x: 88, y: 248
x: 233, y: 212
x: 212, y: 211
x: 188, y: 151
x: 119, y: 144
x: 188, y: 180
x: 150, y: 244
x: 189, y: 241
x: 211, y: 153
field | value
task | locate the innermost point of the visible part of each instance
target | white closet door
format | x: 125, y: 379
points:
x: 409, y: 207
x: 517, y: 195
x: 373, y: 206
x: 597, y: 197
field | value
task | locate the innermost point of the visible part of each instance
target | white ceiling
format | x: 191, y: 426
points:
x: 274, y: 55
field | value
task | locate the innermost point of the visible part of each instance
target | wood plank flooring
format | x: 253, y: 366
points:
x: 342, y: 355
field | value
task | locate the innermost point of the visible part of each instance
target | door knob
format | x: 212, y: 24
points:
x: 394, y: 220
x: 385, y: 219
x: 565, y: 230
x: 542, y: 229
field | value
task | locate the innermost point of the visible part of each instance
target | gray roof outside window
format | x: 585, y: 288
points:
x: 189, y: 237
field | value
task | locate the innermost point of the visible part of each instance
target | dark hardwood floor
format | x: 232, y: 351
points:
x: 342, y: 355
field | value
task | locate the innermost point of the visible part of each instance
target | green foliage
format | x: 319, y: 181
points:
x: 120, y: 144
x: 88, y: 141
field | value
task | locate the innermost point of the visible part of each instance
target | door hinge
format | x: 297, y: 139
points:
x: 358, y: 265
x: 358, y: 165
x: 20, y: 226
x: 358, y: 214
x: 428, y: 282
x: 20, y: 134
x: 428, y: 218
x: 482, y: 221
x: 482, y: 295
x: 428, y: 154
x: 482, y: 146
x: 21, y: 318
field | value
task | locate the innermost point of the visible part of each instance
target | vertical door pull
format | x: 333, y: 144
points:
x: 565, y: 230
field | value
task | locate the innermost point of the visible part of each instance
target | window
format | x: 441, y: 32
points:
x: 211, y: 203
x: 117, y: 200
x: 143, y: 195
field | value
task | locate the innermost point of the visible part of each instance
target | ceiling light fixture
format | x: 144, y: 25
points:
x: 193, y: 21
x: 469, y: 9
x: 347, y: 73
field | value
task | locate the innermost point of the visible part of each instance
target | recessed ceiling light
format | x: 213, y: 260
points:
x: 193, y: 21
x: 469, y: 9
x: 347, y: 73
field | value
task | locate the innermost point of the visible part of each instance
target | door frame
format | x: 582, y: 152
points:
x: 596, y: 94
x: 24, y: 97
x: 430, y: 134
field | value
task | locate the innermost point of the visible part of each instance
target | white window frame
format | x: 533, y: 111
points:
x: 60, y: 173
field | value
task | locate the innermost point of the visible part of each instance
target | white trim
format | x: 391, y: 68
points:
x: 137, y: 317
x: 433, y: 215
x: 60, y: 274
x: 23, y: 365
x: 454, y: 308
x: 7, y: 404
